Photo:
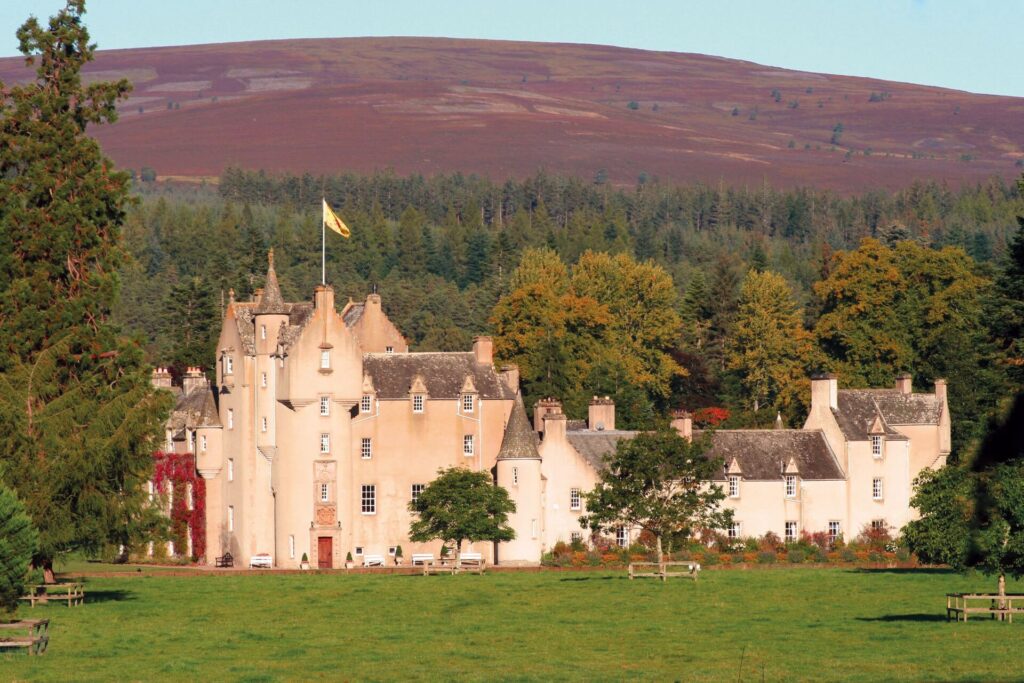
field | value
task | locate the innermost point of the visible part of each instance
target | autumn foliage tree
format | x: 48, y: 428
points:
x: 78, y: 417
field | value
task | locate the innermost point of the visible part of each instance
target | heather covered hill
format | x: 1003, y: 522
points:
x: 508, y: 109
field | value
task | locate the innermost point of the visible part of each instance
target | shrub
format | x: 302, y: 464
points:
x: 594, y: 559
x: 305, y: 557
x: 766, y: 557
x: 634, y: 105
x: 770, y: 542
x: 577, y: 545
x: 848, y: 555
x: 709, y: 559
x: 725, y: 559
x: 903, y: 555
x: 796, y: 556
x: 681, y: 556
x: 750, y: 557
x: 348, y: 556
x: 819, y: 555
x: 875, y: 556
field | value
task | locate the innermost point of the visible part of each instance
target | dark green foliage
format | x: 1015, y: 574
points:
x: 461, y: 505
x: 656, y: 481
x: 18, y: 544
x: 945, y: 500
x: 78, y: 417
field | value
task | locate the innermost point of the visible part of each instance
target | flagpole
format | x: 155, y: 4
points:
x: 323, y: 244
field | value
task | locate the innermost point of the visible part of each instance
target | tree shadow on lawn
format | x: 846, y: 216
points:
x: 903, y: 570
x: 108, y: 596
x: 906, y: 617
x: 594, y: 578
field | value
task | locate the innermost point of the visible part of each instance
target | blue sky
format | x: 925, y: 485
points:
x: 964, y: 44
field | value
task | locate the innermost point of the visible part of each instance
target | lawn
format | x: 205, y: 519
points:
x: 770, y: 624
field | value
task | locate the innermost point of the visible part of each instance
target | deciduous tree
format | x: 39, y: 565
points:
x: 462, y: 505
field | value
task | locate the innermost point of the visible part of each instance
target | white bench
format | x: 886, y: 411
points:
x: 422, y: 558
x: 471, y: 558
x: 263, y: 560
x: 373, y: 560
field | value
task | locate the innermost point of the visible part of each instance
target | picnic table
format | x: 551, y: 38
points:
x: 30, y: 634
x: 472, y: 563
x: 1000, y: 606
x: 74, y: 593
x: 664, y: 570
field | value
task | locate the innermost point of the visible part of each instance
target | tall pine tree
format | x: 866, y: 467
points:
x: 78, y: 417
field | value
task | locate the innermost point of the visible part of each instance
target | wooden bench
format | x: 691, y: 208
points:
x: 261, y: 561
x: 225, y: 560
x: 30, y: 634
x: 473, y: 563
x: 1001, y: 606
x: 664, y: 570
x: 422, y: 558
x: 373, y: 560
x: 74, y: 593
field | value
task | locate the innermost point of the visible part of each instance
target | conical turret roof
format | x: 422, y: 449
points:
x: 520, y: 441
x: 271, y: 302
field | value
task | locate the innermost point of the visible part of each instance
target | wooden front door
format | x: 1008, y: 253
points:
x: 324, y: 552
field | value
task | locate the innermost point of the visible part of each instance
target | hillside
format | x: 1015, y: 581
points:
x: 508, y: 109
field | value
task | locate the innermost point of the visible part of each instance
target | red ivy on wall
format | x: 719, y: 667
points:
x: 179, y: 470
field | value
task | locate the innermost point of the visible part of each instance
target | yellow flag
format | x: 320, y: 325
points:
x: 332, y: 221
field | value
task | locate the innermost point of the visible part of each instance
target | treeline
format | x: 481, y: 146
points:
x: 442, y: 251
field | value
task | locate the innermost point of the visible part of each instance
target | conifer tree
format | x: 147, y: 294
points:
x: 78, y: 417
x: 18, y: 544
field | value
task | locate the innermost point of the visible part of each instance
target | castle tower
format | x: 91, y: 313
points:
x: 518, y: 467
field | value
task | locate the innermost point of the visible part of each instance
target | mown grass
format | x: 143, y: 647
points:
x: 793, y: 624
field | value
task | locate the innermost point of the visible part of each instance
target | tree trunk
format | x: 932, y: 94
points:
x: 1002, y: 594
x: 657, y: 545
x: 48, y: 576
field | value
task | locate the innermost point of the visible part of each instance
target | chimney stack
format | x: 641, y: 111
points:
x: 682, y: 422
x: 554, y: 426
x: 940, y: 390
x: 601, y: 414
x: 905, y: 383
x: 824, y: 392
x: 161, y: 378
x: 483, y: 349
x: 323, y: 297
x: 544, y: 406
x: 510, y: 373
x: 193, y: 379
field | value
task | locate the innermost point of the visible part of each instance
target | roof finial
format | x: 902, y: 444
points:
x: 270, y: 259
x: 231, y: 295
x: 778, y: 420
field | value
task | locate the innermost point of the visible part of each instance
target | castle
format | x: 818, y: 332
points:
x: 322, y: 427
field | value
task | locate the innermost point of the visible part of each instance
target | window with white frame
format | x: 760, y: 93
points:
x: 202, y: 442
x: 192, y: 440
x: 790, y: 531
x: 389, y: 349
x: 291, y: 547
x: 878, y: 525
x: 417, y: 403
x: 358, y: 550
x: 188, y: 496
x: 621, y: 537
x: 876, y: 446
x: 231, y: 517
x: 231, y: 469
x: 325, y: 406
x: 263, y: 331
x: 417, y: 489
x: 263, y: 380
x: 229, y: 365
x: 734, y: 530
x: 325, y: 492
x: 467, y: 403
x: 876, y: 488
x: 790, y: 486
x: 833, y: 530
x: 369, y: 499
x: 325, y: 443
x: 392, y: 550
x: 366, y: 403
x: 574, y: 499
x: 325, y: 359
x: 231, y: 418
x: 366, y: 448
x: 576, y: 537
x: 263, y: 424
x: 515, y: 476
x: 734, y: 486
x: 467, y: 445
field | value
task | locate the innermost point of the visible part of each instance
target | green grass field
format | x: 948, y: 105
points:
x: 787, y: 623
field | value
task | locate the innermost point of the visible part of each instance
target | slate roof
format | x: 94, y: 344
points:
x: 298, y: 316
x: 353, y: 313
x: 272, y: 302
x: 198, y: 408
x: 761, y: 453
x: 858, y: 409
x: 443, y: 374
x: 519, y: 441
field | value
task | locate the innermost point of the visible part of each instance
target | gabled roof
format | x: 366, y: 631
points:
x: 198, y: 408
x: 859, y: 410
x: 761, y: 454
x: 353, y: 312
x: 519, y: 441
x: 443, y: 375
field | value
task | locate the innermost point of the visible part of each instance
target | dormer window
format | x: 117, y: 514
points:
x: 467, y: 403
x: 366, y: 403
x: 790, y: 486
x: 325, y: 359
x: 263, y: 331
x: 734, y: 486
x: 417, y: 403
x: 876, y: 446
